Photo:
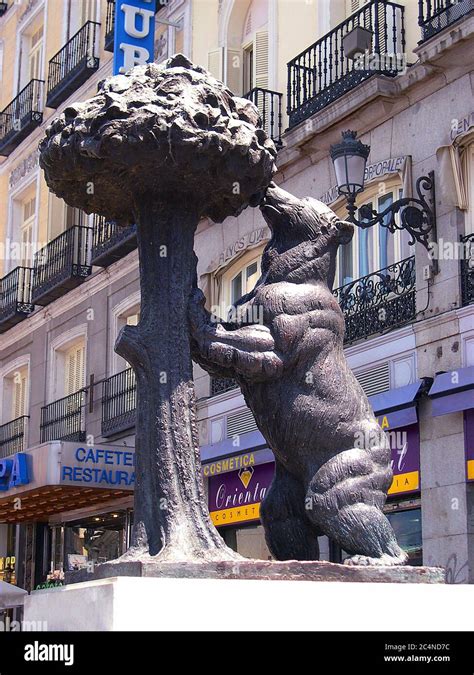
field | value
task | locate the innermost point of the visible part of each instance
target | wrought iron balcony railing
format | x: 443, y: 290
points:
x: 3, y: 8
x: 380, y: 301
x: 13, y: 436
x: 219, y: 385
x: 110, y: 22
x: 110, y: 241
x: 64, y: 420
x: 119, y: 401
x: 73, y: 64
x: 21, y: 116
x: 61, y: 265
x: 436, y: 15
x: 15, y: 297
x: 322, y: 73
x: 269, y: 104
x: 467, y: 270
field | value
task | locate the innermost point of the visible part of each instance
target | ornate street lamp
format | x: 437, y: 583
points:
x: 417, y: 215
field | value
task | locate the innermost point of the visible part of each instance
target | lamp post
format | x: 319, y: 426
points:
x: 417, y: 214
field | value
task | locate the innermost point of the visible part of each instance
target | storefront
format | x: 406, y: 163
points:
x: 70, y: 506
x: 236, y: 487
x: 237, y: 483
x: 453, y: 392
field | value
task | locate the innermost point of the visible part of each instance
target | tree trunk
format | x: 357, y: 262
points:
x: 171, y: 515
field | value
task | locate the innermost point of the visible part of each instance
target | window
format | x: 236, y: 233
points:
x: 26, y: 229
x: 80, y: 11
x: 407, y: 528
x: 468, y: 162
x: 74, y: 369
x: 374, y: 248
x: 31, y: 53
x: 23, y: 227
x: 15, y: 394
x: 35, y: 55
x: 74, y: 216
x: 126, y: 317
x: 248, y: 68
x: 242, y: 281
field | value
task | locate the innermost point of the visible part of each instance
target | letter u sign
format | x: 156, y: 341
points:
x: 134, y: 33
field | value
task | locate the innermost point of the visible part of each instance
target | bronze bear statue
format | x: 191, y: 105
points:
x: 332, y: 459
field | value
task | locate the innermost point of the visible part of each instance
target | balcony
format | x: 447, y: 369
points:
x: 119, y: 401
x: 467, y: 270
x: 15, y: 297
x: 21, y: 116
x: 269, y: 105
x: 64, y: 420
x: 3, y: 8
x: 73, y: 64
x: 219, y: 385
x: 379, y: 302
x: 110, y: 22
x: 436, y: 15
x: 110, y: 241
x: 61, y: 265
x: 13, y: 436
x: 322, y: 73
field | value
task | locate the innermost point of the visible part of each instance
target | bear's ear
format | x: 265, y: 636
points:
x: 346, y: 231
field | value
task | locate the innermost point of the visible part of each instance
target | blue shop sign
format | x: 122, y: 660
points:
x: 98, y: 467
x: 134, y: 34
x: 14, y: 471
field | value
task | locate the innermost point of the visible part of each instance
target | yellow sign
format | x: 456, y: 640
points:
x: 470, y: 469
x: 405, y: 482
x: 229, y: 464
x: 237, y: 514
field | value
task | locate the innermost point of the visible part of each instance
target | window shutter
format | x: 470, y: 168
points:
x: 56, y: 216
x: 88, y: 11
x: 19, y: 396
x: 74, y: 370
x: 354, y: 5
x: 261, y: 59
x: 215, y: 65
x: 234, y: 70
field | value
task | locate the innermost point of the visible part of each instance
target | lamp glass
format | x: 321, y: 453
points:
x: 350, y: 171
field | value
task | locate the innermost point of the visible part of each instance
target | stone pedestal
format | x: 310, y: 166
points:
x: 275, y: 570
x: 159, y: 603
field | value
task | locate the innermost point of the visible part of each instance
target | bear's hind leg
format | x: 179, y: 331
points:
x: 347, y: 495
x: 288, y: 532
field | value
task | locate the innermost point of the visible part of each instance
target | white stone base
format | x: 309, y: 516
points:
x: 150, y: 604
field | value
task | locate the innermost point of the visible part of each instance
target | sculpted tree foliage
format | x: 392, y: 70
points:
x: 162, y: 147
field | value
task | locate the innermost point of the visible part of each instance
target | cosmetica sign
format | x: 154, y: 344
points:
x: 134, y: 33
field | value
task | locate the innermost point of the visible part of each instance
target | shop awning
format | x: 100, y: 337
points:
x: 253, y: 440
x: 398, y: 405
x: 61, y: 476
x: 11, y: 596
x: 452, y: 391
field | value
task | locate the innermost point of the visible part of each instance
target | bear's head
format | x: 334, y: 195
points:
x: 305, y: 237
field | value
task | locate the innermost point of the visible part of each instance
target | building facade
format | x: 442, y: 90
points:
x: 69, y: 282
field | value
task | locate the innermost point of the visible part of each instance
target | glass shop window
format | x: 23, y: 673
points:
x: 248, y: 540
x: 96, y: 539
x: 407, y: 527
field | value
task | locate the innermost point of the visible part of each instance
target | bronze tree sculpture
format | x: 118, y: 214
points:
x: 162, y: 147
x: 333, y: 466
